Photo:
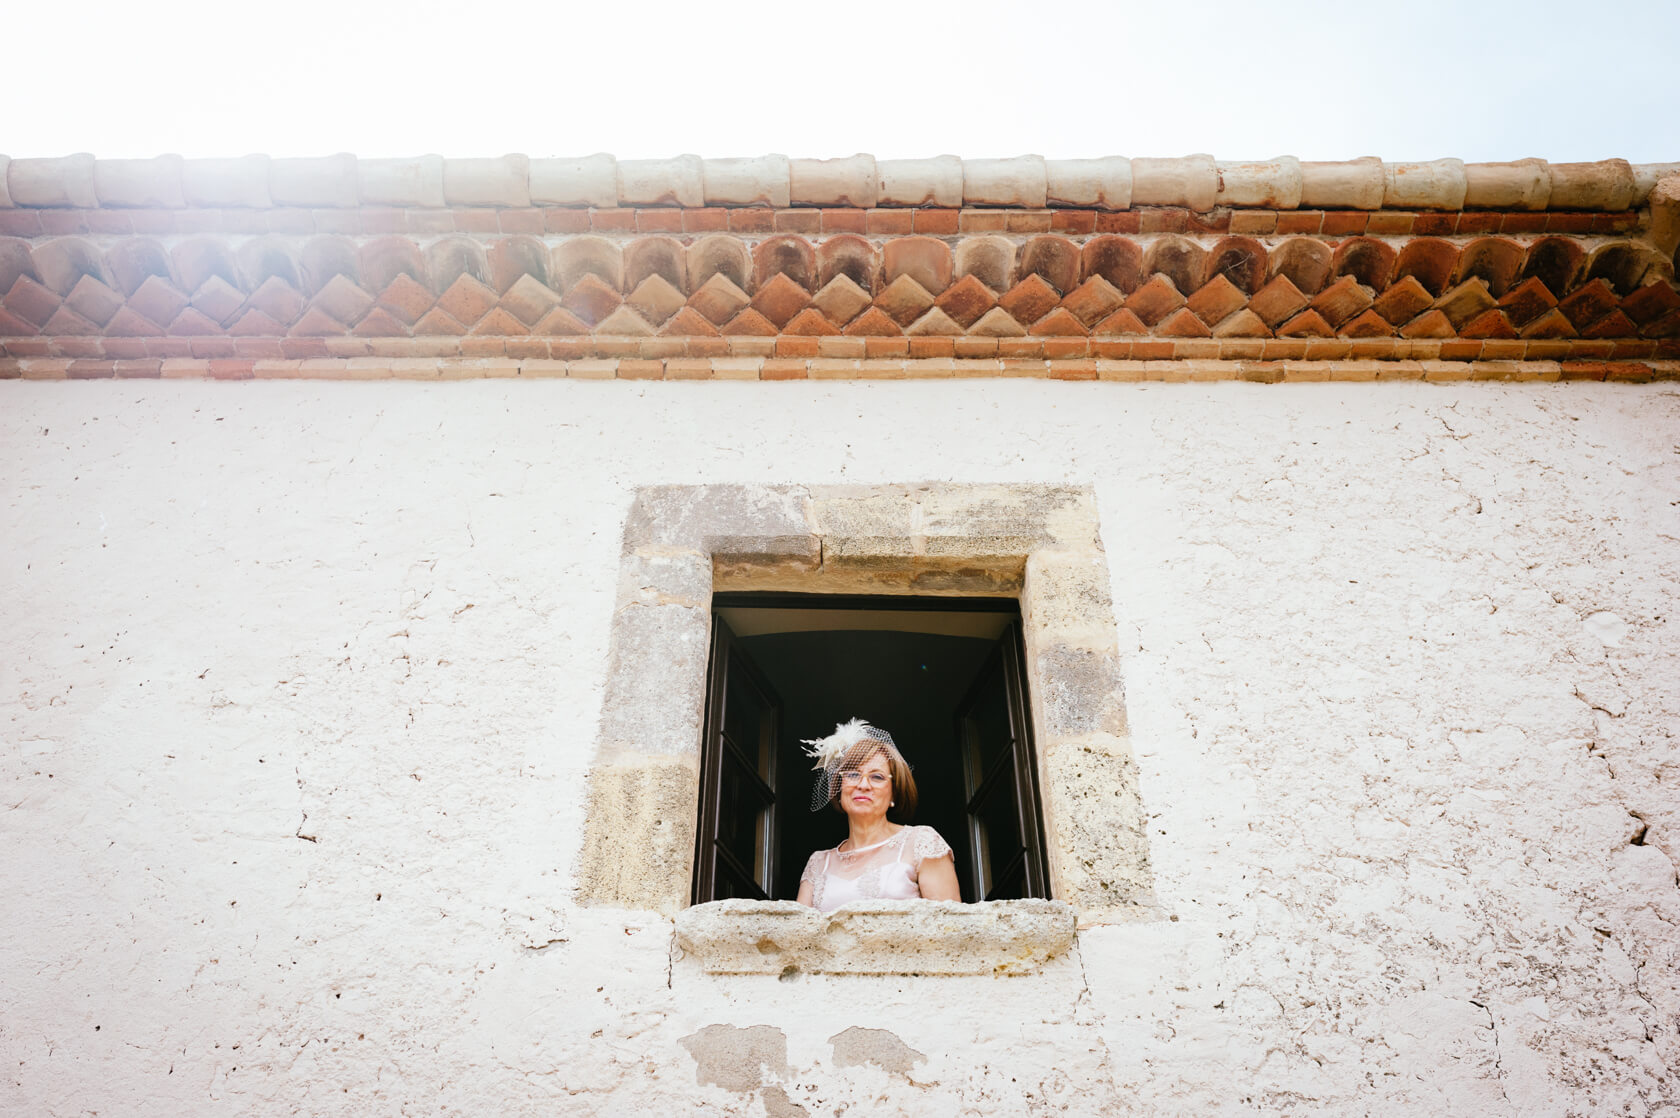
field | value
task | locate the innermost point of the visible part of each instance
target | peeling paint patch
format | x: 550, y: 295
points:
x: 855, y: 1047
x: 737, y: 1059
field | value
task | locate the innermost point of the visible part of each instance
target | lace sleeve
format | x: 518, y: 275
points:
x: 927, y: 844
x: 813, y: 873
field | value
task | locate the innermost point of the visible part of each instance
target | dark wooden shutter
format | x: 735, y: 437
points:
x: 735, y: 851
x: 1000, y: 780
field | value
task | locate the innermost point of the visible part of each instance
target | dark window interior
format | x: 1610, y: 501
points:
x: 942, y: 675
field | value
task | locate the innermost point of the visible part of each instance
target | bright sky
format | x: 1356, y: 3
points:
x: 1477, y: 79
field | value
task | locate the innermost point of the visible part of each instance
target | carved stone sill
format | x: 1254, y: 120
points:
x: 875, y: 937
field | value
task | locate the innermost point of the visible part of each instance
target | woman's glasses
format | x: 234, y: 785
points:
x: 853, y: 778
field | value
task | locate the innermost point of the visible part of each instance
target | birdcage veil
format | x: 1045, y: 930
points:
x: 848, y: 746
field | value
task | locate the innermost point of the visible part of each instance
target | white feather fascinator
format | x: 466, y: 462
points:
x: 851, y: 742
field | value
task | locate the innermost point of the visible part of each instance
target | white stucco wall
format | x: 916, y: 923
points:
x: 301, y: 682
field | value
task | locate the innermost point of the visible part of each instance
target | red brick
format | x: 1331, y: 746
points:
x: 20, y: 223
x: 1476, y: 224
x: 526, y: 347
x: 1569, y: 223
x: 385, y: 220
x: 845, y: 221
x: 1461, y: 350
x: 799, y: 221
x: 181, y: 347
x: 1583, y: 370
x: 214, y: 348
x: 1027, y: 221
x: 778, y: 369
x: 257, y: 349
x: 891, y: 222
x: 231, y: 370
x: 63, y: 222
x: 1111, y: 350
x: 1128, y: 221
x: 557, y: 219
x: 932, y: 347
x: 1073, y: 370
x: 483, y: 347
x: 1020, y: 349
x: 89, y: 370
x: 612, y: 221
x: 1158, y: 220
x: 1615, y: 223
x: 1523, y: 223
x: 1213, y: 221
x: 117, y: 222
x: 135, y: 348
x: 138, y: 370
x: 1075, y: 222
x: 706, y: 347
x: 658, y: 221
x: 1627, y: 371
x: 293, y: 349
x: 641, y: 370
x: 430, y: 222
x: 709, y: 219
x: 1345, y: 223
x: 344, y: 222
x: 982, y: 221
x: 935, y: 222
x: 976, y: 347
x: 1629, y: 349
x: 787, y: 346
x: 83, y: 347
x: 1435, y: 225
x: 1058, y: 349
x: 1295, y: 223
x: 476, y: 220
x: 29, y: 347
x: 752, y: 220
x: 570, y: 349
x: 1389, y: 223
x: 897, y: 347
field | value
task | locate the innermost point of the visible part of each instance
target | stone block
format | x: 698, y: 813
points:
x: 152, y: 183
x: 875, y: 937
x: 919, y: 182
x: 240, y: 183
x: 1524, y: 184
x: 1605, y: 185
x: 587, y: 180
x: 638, y: 842
x: 328, y: 181
x: 1273, y: 184
x: 401, y: 182
x: 1103, y: 183
x: 1020, y: 181
x: 1436, y: 185
x: 63, y: 181
x: 1100, y: 849
x: 1357, y: 184
x: 834, y: 182
x: 1192, y: 181
x: 704, y: 517
x: 759, y: 181
x: 661, y: 182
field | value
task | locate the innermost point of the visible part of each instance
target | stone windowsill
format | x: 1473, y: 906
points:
x: 876, y: 937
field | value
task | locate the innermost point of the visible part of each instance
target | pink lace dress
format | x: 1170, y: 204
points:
x: 885, y: 870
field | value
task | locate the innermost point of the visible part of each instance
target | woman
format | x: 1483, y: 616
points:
x: 861, y: 772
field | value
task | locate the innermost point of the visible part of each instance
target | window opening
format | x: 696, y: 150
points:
x: 942, y: 674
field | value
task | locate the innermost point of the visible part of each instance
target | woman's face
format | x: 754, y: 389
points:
x: 866, y: 791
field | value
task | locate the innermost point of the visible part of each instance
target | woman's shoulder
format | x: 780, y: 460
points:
x: 926, y: 842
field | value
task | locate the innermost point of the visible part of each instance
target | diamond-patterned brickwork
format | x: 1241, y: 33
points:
x: 1004, y: 284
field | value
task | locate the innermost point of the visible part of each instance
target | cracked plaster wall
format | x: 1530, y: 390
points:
x: 302, y: 681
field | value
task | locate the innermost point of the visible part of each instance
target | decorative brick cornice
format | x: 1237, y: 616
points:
x: 1198, y: 182
x: 761, y: 279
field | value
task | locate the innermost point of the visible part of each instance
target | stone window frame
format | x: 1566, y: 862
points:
x: 1040, y: 543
